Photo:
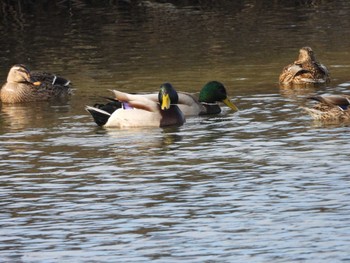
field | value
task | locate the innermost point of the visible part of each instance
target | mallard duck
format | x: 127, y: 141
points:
x: 330, y: 108
x: 204, y: 103
x: 133, y: 110
x: 24, y: 86
x: 305, y: 70
x: 207, y: 101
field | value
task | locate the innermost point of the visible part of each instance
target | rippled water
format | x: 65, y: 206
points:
x: 265, y: 184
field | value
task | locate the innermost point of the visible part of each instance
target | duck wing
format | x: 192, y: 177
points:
x: 184, y: 97
x: 290, y: 71
x: 137, y: 101
x: 49, y: 78
x: 333, y: 100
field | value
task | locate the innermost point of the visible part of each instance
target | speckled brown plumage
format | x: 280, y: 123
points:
x: 330, y: 108
x: 25, y: 86
x: 304, y: 70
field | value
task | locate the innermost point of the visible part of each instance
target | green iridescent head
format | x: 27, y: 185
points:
x: 167, y: 95
x: 213, y: 92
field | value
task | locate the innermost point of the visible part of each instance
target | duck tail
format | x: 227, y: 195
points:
x: 109, y: 107
x: 100, y: 116
x: 60, y: 81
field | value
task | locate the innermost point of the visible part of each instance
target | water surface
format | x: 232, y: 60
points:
x: 265, y: 184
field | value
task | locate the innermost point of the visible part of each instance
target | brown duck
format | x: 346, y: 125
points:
x: 330, y: 108
x: 25, y: 86
x: 304, y: 70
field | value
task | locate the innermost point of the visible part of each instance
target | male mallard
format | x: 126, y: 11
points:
x: 131, y: 110
x: 304, y: 70
x: 330, y: 108
x: 23, y: 86
x: 207, y: 100
x: 204, y: 103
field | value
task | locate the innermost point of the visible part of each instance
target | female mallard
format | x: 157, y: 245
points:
x: 24, y: 86
x: 131, y: 110
x: 330, y: 108
x: 204, y: 103
x: 305, y: 70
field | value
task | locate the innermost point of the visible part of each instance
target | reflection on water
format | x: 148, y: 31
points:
x: 30, y: 115
x: 264, y: 184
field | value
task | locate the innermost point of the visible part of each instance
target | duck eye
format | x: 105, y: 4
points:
x: 22, y: 70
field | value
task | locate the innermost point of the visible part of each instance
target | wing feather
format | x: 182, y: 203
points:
x: 138, y: 101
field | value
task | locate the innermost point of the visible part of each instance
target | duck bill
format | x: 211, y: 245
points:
x: 165, y: 102
x: 31, y: 80
x: 230, y: 104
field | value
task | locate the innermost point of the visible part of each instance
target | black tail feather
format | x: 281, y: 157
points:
x: 100, y: 116
x: 109, y: 107
x: 101, y: 112
x: 60, y: 81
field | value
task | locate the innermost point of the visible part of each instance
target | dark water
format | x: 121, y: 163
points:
x: 265, y: 184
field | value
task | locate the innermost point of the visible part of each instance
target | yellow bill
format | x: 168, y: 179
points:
x: 165, y: 102
x: 230, y: 104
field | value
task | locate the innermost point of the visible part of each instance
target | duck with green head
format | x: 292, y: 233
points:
x: 205, y: 102
x: 209, y: 96
x: 133, y: 110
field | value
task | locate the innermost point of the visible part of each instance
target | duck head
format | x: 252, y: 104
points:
x: 306, y: 54
x: 167, y: 95
x: 20, y: 74
x: 215, y: 91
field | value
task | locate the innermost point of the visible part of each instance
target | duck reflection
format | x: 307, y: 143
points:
x: 294, y: 91
x: 21, y: 116
x: 144, y: 139
x: 329, y: 123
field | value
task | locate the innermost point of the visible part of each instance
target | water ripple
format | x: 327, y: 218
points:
x: 264, y: 184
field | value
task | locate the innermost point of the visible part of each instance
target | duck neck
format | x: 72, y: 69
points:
x: 15, y: 92
x: 210, y: 108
